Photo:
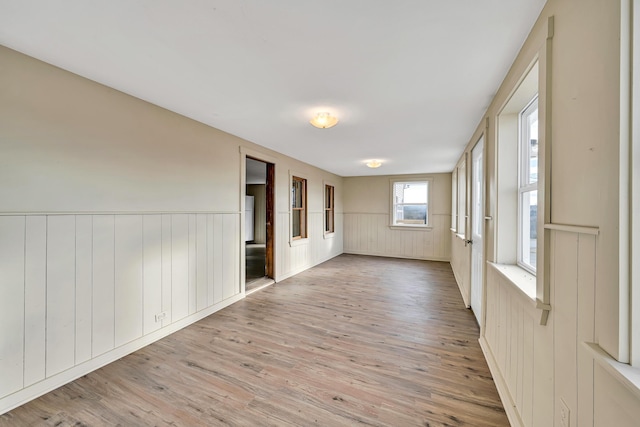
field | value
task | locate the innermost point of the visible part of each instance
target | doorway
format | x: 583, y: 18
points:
x: 259, y: 206
x: 477, y: 228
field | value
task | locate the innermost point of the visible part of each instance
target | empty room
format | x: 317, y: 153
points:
x: 340, y: 213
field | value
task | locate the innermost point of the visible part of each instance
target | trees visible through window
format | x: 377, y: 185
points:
x: 528, y: 186
x: 298, y: 208
x: 410, y: 203
x: 329, y: 226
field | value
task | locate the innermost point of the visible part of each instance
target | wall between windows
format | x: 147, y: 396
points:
x: 540, y: 369
x: 366, y: 220
x: 120, y: 223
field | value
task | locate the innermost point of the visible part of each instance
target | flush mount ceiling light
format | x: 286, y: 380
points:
x: 324, y: 121
x: 373, y: 163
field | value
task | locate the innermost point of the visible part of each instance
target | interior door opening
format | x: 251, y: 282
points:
x: 259, y: 206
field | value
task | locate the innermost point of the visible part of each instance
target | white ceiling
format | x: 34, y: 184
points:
x: 408, y: 79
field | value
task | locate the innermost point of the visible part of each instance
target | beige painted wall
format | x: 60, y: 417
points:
x: 114, y: 211
x: 539, y: 368
x: 366, y: 216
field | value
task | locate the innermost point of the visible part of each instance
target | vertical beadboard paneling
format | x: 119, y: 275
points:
x: 210, y: 254
x: 84, y: 286
x: 12, y: 230
x: 218, y: 252
x: 230, y: 256
x: 61, y: 275
x: 167, y: 300
x: 585, y: 324
x: 193, y: 258
x: 152, y: 272
x: 128, y: 278
x: 35, y: 294
x: 103, y: 284
x: 201, y: 262
x: 370, y: 234
x: 179, y: 266
x: 564, y: 281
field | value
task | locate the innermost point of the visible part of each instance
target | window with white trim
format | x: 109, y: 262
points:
x: 528, y: 186
x: 454, y: 200
x: 410, y: 203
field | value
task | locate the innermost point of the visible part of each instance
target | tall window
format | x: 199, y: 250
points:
x: 410, y: 203
x: 298, y: 208
x: 528, y: 186
x: 329, y: 226
x: 462, y: 198
x: 454, y: 200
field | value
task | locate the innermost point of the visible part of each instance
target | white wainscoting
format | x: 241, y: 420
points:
x: 370, y: 234
x: 542, y: 366
x: 79, y: 291
x: 294, y: 258
x: 461, y: 266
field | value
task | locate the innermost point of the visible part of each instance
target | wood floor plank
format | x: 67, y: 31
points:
x: 355, y: 341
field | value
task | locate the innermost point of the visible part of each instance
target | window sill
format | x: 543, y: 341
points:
x: 329, y: 235
x: 411, y: 227
x: 519, y: 277
x: 625, y: 374
x: 299, y: 242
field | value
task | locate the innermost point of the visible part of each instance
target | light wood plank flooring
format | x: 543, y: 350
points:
x: 355, y: 341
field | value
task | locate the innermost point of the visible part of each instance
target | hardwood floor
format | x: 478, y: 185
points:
x: 355, y: 341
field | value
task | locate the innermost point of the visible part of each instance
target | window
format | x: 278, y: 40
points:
x: 454, y: 200
x: 528, y: 186
x: 329, y: 226
x: 462, y: 198
x: 410, y: 203
x: 298, y: 208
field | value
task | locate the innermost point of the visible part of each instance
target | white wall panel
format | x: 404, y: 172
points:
x: 231, y: 251
x: 179, y: 266
x: 152, y: 272
x: 210, y: 259
x: 201, y: 262
x: 218, y: 256
x: 84, y: 286
x: 193, y: 259
x: 35, y: 294
x: 61, y: 275
x: 128, y: 278
x: 12, y: 230
x: 167, y: 262
x: 103, y: 284
x: 370, y: 234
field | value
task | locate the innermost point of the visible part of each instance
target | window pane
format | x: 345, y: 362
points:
x: 530, y: 143
x: 296, y: 225
x: 328, y: 221
x: 296, y: 199
x: 411, y: 214
x: 410, y: 192
x: 529, y: 230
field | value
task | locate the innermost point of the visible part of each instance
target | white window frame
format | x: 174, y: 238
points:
x: 524, y: 187
x: 454, y: 200
x: 392, y: 208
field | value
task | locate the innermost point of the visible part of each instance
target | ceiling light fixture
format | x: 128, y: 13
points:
x: 373, y: 163
x: 324, y: 121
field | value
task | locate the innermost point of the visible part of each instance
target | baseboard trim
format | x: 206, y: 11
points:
x: 505, y: 396
x: 443, y: 259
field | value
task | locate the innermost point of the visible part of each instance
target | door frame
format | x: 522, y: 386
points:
x: 270, y: 261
